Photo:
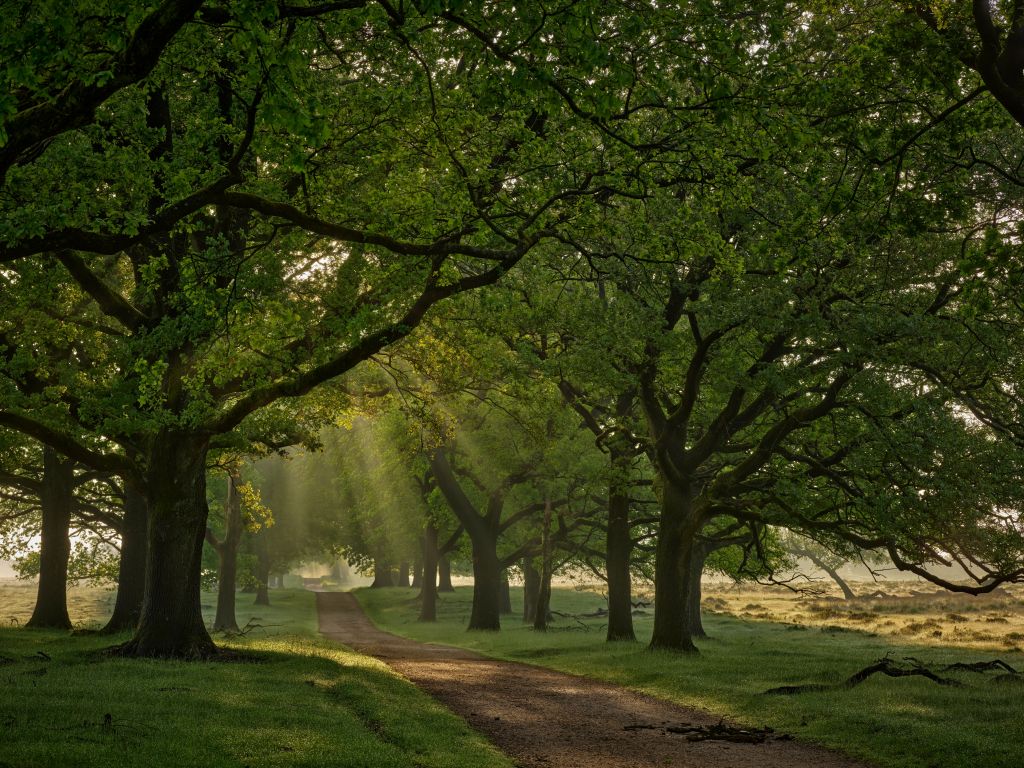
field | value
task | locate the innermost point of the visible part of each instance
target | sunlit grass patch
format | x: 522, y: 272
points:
x: 303, y: 702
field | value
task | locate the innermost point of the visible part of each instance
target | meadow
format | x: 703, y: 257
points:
x: 762, y: 638
x: 288, y: 698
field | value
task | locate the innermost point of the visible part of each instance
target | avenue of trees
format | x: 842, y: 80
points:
x: 633, y: 288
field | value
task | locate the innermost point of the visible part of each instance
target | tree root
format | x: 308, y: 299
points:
x: 908, y: 667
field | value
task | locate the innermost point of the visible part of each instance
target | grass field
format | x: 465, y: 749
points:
x: 302, y: 702
x: 893, y: 722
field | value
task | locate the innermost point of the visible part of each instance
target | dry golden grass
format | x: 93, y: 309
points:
x: 88, y: 606
x: 910, y: 610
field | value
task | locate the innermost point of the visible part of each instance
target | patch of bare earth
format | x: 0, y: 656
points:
x: 544, y: 718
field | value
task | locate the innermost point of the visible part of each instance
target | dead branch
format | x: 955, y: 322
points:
x: 885, y: 666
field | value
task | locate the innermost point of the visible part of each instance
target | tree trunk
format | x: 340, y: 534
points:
x: 531, y: 586
x: 693, y: 593
x: 403, y: 575
x: 505, y: 595
x: 833, y: 574
x: 382, y: 576
x: 486, y: 611
x: 619, y: 548
x: 543, y: 607
x: 428, y: 584
x: 131, y: 575
x: 56, y: 499
x: 227, y: 548
x: 417, y: 567
x: 677, y: 531
x: 171, y: 623
x: 444, y: 570
x: 262, y: 572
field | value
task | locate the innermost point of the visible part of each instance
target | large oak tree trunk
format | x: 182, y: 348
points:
x: 171, y: 623
x: 56, y: 499
x: 131, y: 575
x: 428, y: 583
x: 619, y: 548
x: 403, y: 575
x: 677, y: 532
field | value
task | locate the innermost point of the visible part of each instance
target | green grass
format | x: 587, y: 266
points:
x: 306, y: 702
x: 902, y: 722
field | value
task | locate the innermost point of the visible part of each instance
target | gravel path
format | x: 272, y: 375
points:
x: 544, y: 718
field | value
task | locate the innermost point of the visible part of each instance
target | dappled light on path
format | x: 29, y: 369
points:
x: 546, y: 718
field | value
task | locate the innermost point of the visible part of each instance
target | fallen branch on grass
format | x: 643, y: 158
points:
x: 886, y: 666
x: 981, y: 666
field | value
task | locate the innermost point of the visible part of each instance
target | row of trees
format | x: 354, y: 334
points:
x: 765, y: 258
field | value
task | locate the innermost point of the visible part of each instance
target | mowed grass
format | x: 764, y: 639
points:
x: 893, y: 722
x: 299, y: 701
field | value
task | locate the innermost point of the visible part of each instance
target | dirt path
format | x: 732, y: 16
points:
x: 544, y: 718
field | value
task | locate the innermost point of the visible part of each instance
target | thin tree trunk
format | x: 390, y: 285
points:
x: 531, y: 587
x: 619, y: 548
x: 676, y: 535
x: 505, y: 595
x: 56, y: 499
x: 262, y: 572
x: 131, y: 575
x: 403, y: 575
x: 833, y: 574
x: 444, y: 570
x: 428, y: 584
x: 693, y: 593
x: 417, y: 567
x: 171, y: 623
x: 543, y: 607
x: 227, y: 548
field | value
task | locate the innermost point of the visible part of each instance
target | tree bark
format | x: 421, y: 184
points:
x: 677, y: 531
x: 505, y: 595
x: 543, y: 606
x: 619, y: 548
x: 56, y: 499
x: 693, y: 593
x: 171, y: 623
x: 403, y: 575
x: 131, y: 574
x: 417, y: 568
x: 531, y: 586
x: 227, y: 549
x: 486, y: 612
x: 262, y: 572
x: 444, y: 570
x: 833, y: 574
x: 428, y: 584
x: 382, y: 576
